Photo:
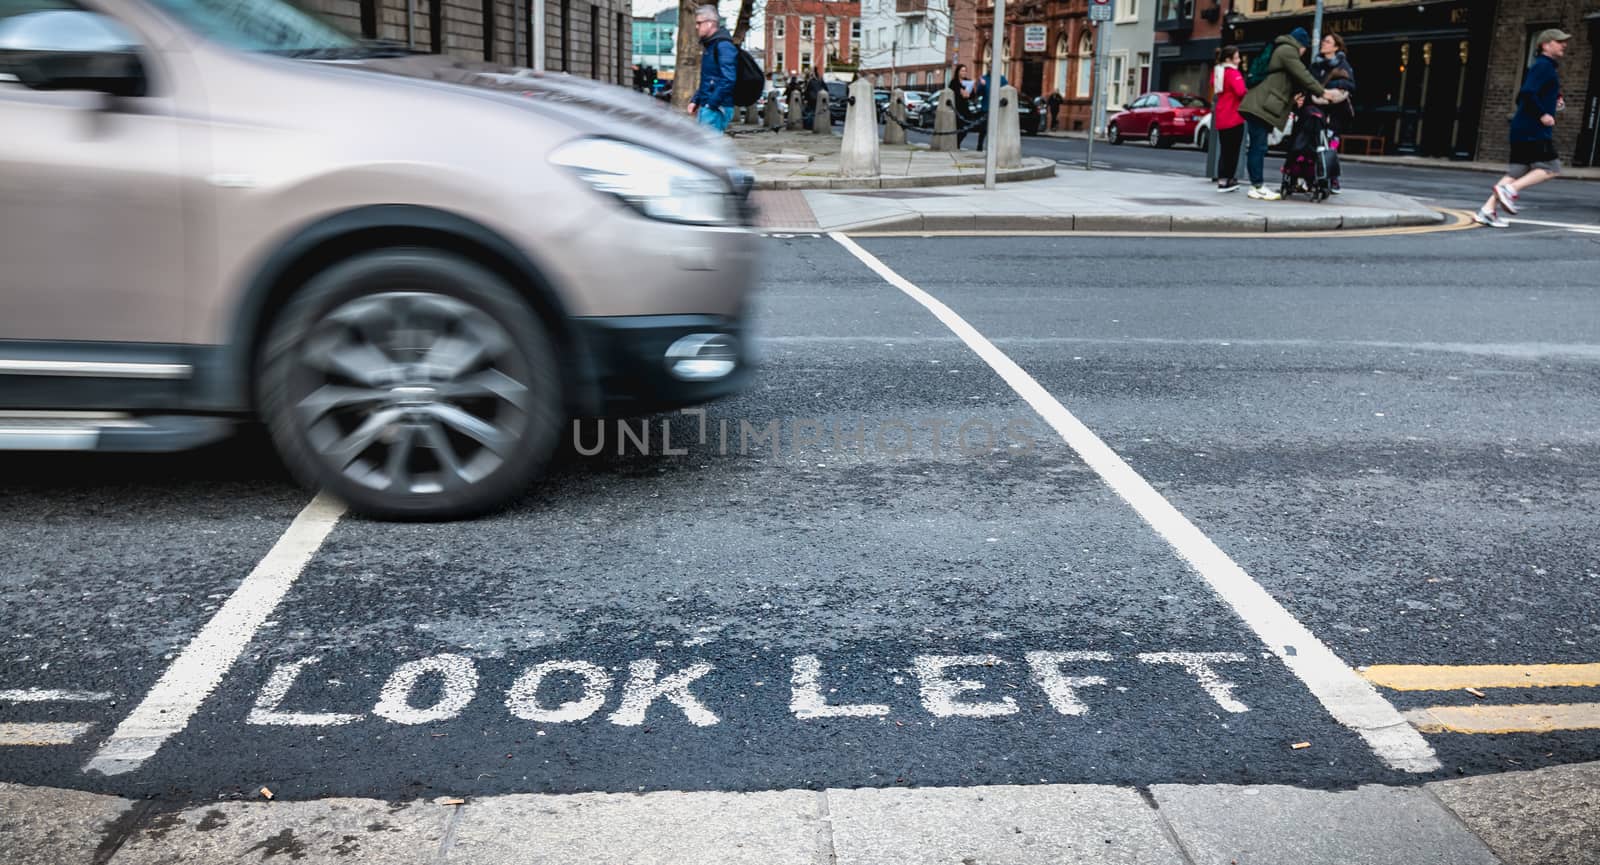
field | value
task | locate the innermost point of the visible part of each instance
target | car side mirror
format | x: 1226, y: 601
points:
x: 70, y: 49
x: 1127, y: 106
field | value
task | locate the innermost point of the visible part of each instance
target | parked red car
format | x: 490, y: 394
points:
x: 1159, y: 118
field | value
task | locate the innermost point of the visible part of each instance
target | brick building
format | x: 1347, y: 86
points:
x: 1510, y: 52
x: 592, y: 39
x: 1063, y: 60
x: 1187, y: 36
x: 913, y: 43
x: 802, y: 34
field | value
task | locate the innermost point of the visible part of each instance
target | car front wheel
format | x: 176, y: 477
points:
x: 412, y: 384
x: 1114, y: 134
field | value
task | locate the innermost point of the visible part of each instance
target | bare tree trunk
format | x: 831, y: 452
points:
x: 741, y: 25
x: 686, y: 78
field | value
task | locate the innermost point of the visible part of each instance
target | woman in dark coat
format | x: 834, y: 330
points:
x: 1333, y: 71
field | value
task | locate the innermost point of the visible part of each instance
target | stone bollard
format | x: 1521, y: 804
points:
x: 1007, y: 141
x: 774, y: 113
x: 822, y: 120
x: 858, y: 154
x: 944, y: 121
x: 797, y: 118
x: 894, y: 126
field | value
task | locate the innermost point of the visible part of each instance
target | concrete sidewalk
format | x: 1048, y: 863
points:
x: 1544, y: 817
x: 1078, y: 200
x: 805, y: 160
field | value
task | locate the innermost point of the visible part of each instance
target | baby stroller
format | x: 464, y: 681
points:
x: 1308, y: 164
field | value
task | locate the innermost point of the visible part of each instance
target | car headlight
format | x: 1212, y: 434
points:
x: 653, y: 183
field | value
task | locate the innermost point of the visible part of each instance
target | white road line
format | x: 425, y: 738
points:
x: 1350, y: 699
x: 48, y: 695
x: 1580, y: 228
x: 13, y: 735
x: 166, y: 710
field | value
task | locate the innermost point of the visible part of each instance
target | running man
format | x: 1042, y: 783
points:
x: 1533, y: 139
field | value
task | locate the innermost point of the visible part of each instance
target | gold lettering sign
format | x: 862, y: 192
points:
x: 1458, y: 16
x: 1346, y: 25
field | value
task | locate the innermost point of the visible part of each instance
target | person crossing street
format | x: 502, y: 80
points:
x: 1533, y: 145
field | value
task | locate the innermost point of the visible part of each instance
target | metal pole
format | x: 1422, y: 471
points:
x: 991, y: 100
x: 411, y: 23
x: 538, y: 34
x: 1316, y: 31
x: 1098, y: 97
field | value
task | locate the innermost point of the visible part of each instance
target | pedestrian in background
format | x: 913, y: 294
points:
x: 1267, y: 106
x: 712, y: 104
x: 1533, y: 130
x: 1227, y: 124
x: 814, y: 85
x: 962, y: 96
x: 1333, y: 70
x: 1055, y: 108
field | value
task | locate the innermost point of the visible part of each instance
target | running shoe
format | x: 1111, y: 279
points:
x: 1489, y: 218
x: 1507, y: 196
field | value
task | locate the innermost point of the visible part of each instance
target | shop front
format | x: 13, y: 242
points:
x: 1420, y: 69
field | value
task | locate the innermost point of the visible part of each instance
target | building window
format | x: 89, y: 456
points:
x: 1127, y: 10
x: 777, y: 63
x: 1085, y: 64
x: 805, y: 62
x: 777, y: 27
x: 805, y: 29
x: 833, y: 30
x: 1116, y: 78
x: 1259, y: 6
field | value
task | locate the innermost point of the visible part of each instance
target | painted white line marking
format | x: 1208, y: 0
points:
x: 1198, y: 665
x: 523, y: 698
x: 643, y: 689
x: 939, y: 694
x: 48, y: 695
x: 807, y: 700
x: 1059, y: 687
x: 266, y: 711
x: 1350, y: 699
x: 458, y: 683
x: 195, y: 673
x: 12, y: 735
x: 1580, y: 228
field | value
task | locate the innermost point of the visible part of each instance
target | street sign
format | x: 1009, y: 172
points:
x: 1033, y: 38
x: 1100, y: 10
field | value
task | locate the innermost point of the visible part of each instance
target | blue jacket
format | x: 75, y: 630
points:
x: 1540, y: 89
x: 719, y: 68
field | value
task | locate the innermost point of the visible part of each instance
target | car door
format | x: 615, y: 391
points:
x: 90, y: 197
x: 1137, y: 122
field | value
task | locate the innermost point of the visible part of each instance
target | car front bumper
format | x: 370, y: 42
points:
x: 637, y: 363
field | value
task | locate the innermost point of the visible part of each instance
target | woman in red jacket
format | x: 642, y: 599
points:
x: 1227, y: 124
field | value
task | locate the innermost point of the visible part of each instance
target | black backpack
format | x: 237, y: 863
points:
x: 750, y: 81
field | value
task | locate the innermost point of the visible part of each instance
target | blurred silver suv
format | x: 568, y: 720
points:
x: 413, y: 269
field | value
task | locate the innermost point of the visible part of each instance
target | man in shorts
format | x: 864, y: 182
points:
x: 1533, y: 143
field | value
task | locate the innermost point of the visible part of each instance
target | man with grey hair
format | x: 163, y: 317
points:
x: 719, y: 68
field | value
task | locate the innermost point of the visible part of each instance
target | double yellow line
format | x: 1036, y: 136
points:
x: 1490, y: 718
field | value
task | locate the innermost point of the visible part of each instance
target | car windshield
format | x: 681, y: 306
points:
x: 270, y: 26
x: 1188, y: 101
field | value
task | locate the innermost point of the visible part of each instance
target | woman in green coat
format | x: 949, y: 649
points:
x: 1267, y: 106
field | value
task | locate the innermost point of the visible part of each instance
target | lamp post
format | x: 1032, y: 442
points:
x: 991, y: 100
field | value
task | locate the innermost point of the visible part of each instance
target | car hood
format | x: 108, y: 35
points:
x: 588, y: 107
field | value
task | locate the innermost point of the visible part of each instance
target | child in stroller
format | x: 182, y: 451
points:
x: 1308, y: 164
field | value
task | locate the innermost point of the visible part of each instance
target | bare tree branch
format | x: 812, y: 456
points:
x: 741, y: 26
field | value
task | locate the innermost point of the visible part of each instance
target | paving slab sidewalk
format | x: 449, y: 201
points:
x: 1077, y: 200
x: 805, y: 160
x: 1543, y: 816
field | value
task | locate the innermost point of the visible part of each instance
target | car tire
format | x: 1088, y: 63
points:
x: 412, y: 384
x: 1201, y: 139
x: 1114, y: 134
x: 1155, y: 137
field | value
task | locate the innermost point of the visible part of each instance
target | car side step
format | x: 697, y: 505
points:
x: 109, y: 432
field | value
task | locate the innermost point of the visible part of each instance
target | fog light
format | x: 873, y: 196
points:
x: 703, y: 357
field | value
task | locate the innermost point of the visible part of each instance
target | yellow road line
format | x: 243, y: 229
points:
x: 1416, y: 677
x: 1528, y: 718
x: 41, y: 734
